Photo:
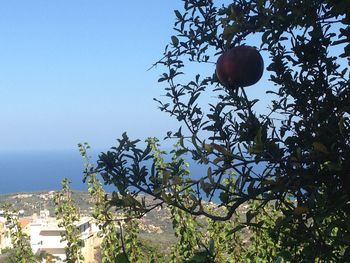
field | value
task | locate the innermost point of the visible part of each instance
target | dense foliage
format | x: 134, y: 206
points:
x: 119, y: 233
x: 198, y: 240
x: 294, y: 155
x: 68, y: 217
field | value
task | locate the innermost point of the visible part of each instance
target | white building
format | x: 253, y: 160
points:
x: 45, y: 235
x: 5, y: 239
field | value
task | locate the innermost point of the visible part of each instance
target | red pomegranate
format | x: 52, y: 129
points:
x: 239, y: 67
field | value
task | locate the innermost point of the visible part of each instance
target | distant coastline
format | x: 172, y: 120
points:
x: 23, y: 172
x: 39, y: 171
x: 35, y: 172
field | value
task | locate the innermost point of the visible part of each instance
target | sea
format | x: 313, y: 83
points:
x: 44, y: 171
x: 22, y: 172
x: 39, y: 171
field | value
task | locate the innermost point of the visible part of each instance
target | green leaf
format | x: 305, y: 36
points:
x: 178, y: 14
x: 121, y: 258
x: 256, y: 148
x: 166, y: 197
x: 206, y: 187
x: 231, y: 30
x: 319, y: 147
x: 211, y: 246
x: 250, y: 215
x: 177, y: 180
x: 235, y: 229
x: 199, y: 257
x: 221, y: 149
x: 175, y: 41
x: 278, y: 260
x: 223, y: 197
x: 218, y: 159
x: 299, y: 210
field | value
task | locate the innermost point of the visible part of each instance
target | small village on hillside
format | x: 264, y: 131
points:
x: 36, y: 215
x: 45, y: 235
x: 37, y: 219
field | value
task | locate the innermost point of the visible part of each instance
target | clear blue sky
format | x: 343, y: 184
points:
x: 73, y: 71
x: 76, y: 70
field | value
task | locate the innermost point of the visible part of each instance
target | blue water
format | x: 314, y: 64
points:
x: 42, y: 171
x: 36, y: 171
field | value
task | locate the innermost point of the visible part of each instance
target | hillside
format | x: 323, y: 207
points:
x: 156, y: 228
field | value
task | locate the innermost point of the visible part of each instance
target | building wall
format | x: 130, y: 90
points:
x: 46, y: 236
x: 5, y: 239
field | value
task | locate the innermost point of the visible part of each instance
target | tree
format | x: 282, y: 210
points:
x: 22, y: 251
x: 294, y: 157
x: 117, y: 245
x: 68, y: 216
x: 110, y: 245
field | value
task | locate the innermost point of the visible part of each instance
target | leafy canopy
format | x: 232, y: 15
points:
x: 295, y: 155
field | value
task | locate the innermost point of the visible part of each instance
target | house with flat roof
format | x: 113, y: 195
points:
x: 45, y: 235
